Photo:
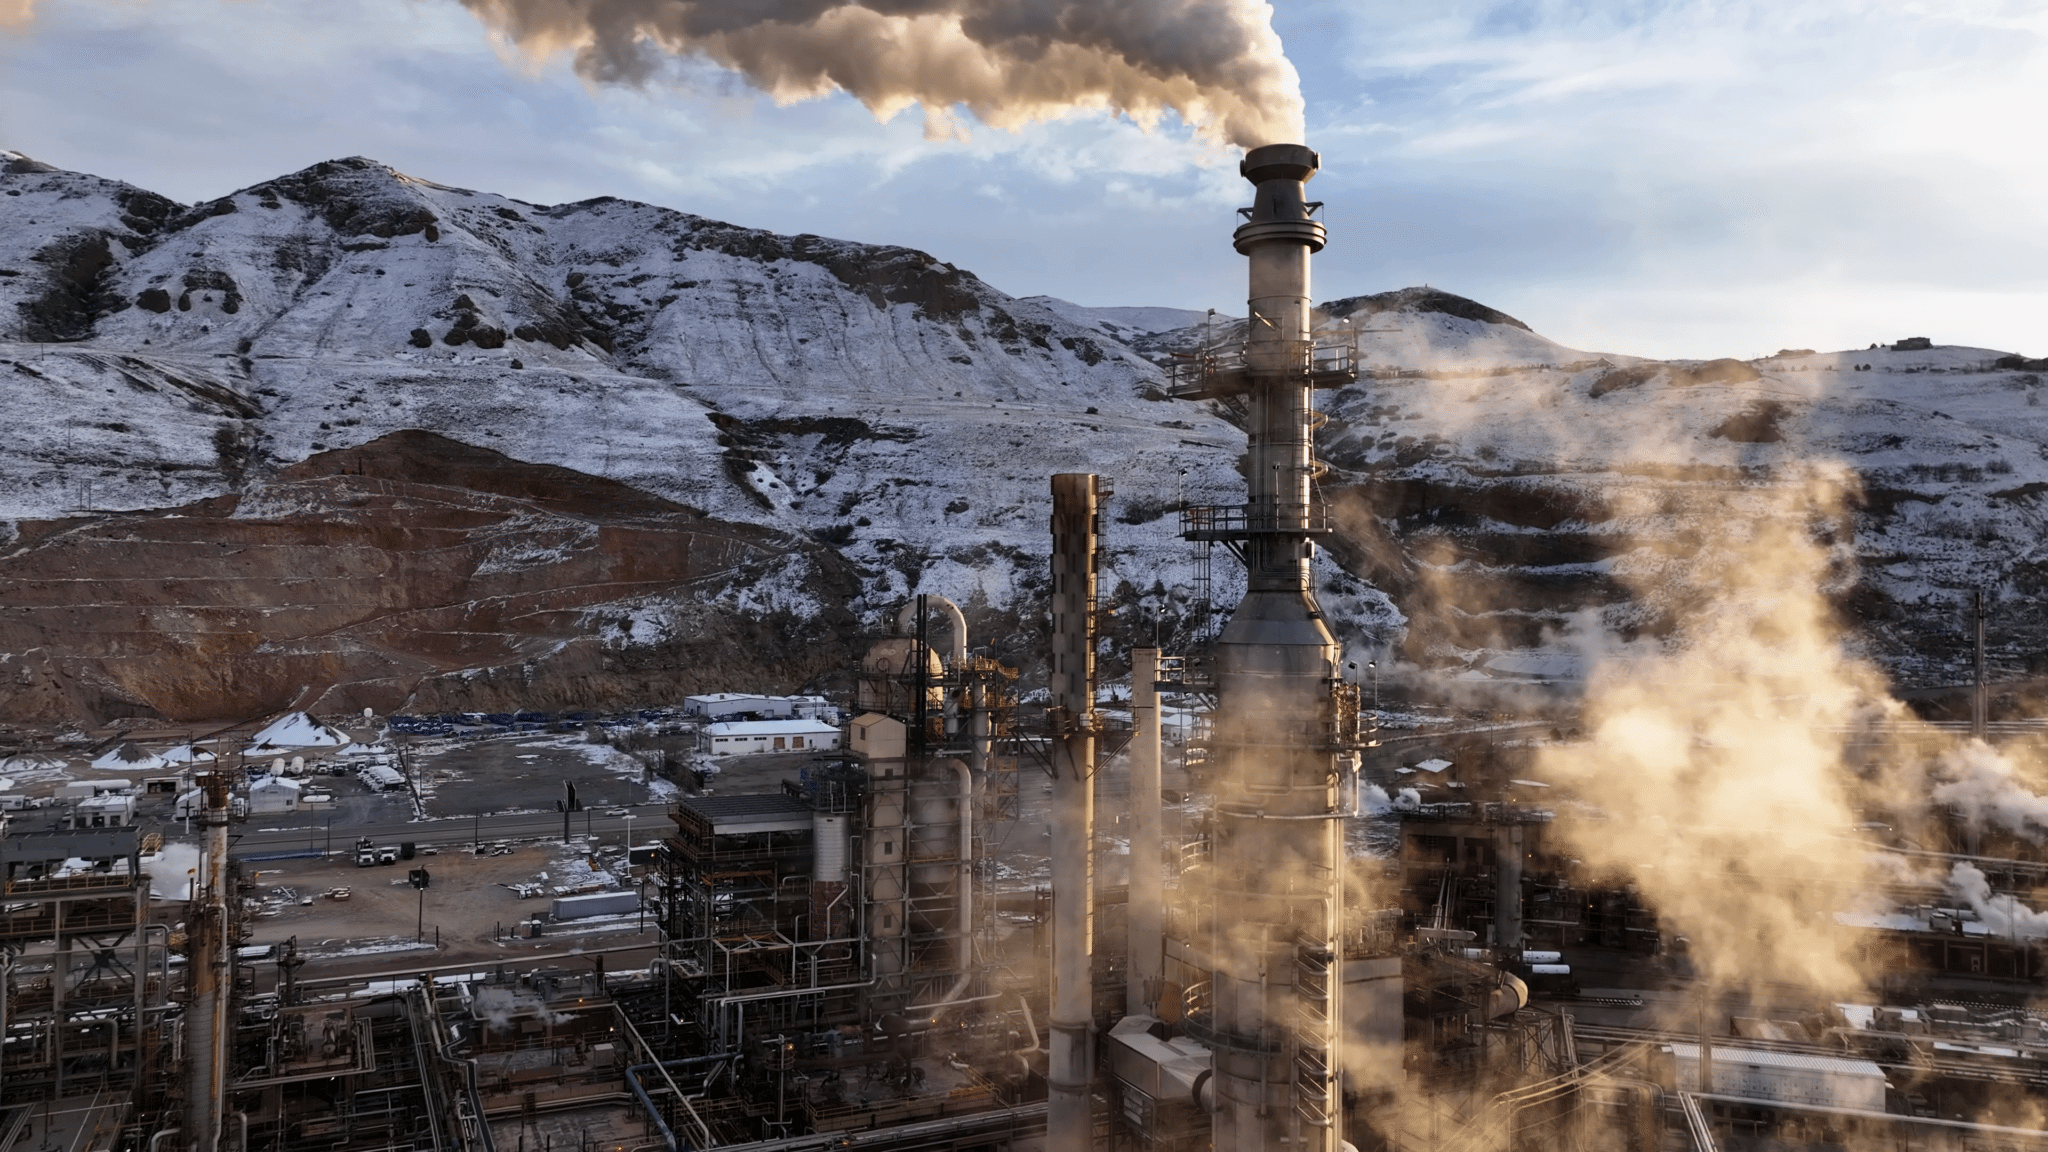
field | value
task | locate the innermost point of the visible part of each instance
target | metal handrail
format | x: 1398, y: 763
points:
x: 1323, y: 355
x: 74, y: 882
x: 1250, y: 519
x: 1198, y: 1020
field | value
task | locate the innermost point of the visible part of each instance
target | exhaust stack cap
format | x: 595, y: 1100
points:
x: 1295, y: 162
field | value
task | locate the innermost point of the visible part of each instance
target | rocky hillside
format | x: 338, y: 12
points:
x: 297, y: 445
x: 416, y: 572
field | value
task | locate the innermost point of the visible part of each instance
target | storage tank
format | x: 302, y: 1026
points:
x: 831, y: 847
x: 828, y: 849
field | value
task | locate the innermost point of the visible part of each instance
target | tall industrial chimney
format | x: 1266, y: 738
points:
x: 206, y: 1019
x: 1285, y: 720
x: 1070, y: 1065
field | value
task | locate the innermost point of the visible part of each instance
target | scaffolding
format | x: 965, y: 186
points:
x: 84, y: 977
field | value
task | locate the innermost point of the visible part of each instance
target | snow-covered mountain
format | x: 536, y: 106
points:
x: 869, y: 421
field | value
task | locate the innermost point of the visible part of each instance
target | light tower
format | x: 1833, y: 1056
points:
x: 1286, y: 721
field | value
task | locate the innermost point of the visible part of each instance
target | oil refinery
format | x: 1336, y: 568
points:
x: 1256, y: 930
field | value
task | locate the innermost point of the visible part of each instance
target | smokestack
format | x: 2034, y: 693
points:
x: 206, y: 1025
x: 1076, y: 506
x: 1143, y: 911
x: 1285, y: 721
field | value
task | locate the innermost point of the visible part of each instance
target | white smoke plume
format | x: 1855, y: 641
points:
x: 2005, y: 916
x: 1719, y: 763
x: 1217, y: 63
x: 1979, y: 783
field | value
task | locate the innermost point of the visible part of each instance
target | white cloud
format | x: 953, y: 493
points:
x: 1818, y: 164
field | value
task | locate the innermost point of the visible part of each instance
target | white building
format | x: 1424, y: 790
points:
x: 742, y: 737
x: 110, y: 810
x: 720, y: 704
x: 87, y: 789
x: 274, y: 794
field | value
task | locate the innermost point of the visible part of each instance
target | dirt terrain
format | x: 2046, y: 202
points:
x: 392, y: 576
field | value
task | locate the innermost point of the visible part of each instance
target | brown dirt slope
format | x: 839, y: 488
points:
x: 412, y: 572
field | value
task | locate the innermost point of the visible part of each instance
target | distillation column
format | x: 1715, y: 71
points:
x: 1076, y: 504
x: 1278, y: 840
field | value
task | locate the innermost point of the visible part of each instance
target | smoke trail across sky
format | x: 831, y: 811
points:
x: 1217, y: 63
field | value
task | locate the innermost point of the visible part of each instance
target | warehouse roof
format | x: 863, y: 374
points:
x: 772, y: 728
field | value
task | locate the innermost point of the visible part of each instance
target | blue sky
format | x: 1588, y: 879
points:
x: 1682, y: 179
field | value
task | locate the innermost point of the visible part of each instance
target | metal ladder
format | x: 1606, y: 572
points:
x: 1315, y: 971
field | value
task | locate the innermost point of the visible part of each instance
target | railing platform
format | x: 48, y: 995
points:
x: 1241, y: 521
x: 1328, y: 361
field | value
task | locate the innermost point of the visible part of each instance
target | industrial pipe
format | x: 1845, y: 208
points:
x: 1507, y: 887
x: 906, y: 624
x: 1070, y: 1064
x: 206, y: 1068
x: 647, y: 1102
x: 1144, y: 915
x: 981, y: 729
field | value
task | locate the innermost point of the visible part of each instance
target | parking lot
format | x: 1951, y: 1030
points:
x: 469, y: 903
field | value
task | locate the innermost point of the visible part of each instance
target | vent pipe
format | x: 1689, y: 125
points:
x: 206, y: 1027
x: 1144, y: 910
x: 1076, y: 508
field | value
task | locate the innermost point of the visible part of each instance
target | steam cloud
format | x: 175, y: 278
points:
x: 1980, y: 785
x: 2003, y: 915
x: 1720, y: 762
x: 1218, y: 63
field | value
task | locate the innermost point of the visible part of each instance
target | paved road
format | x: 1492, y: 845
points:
x: 301, y: 831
